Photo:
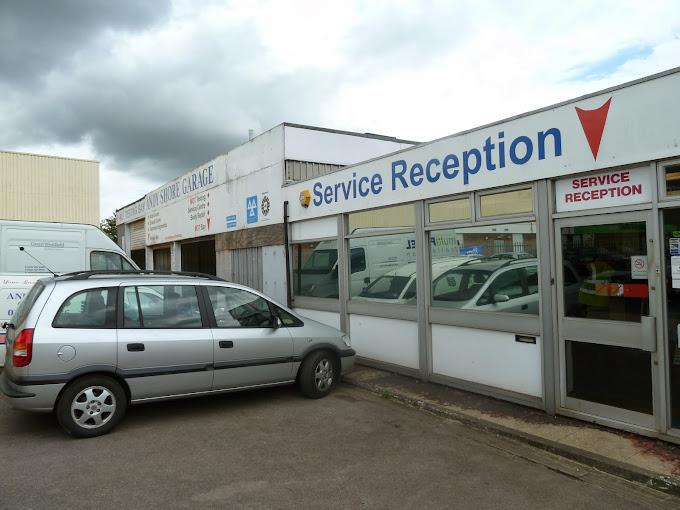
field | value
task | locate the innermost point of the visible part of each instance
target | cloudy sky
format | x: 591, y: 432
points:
x: 154, y: 88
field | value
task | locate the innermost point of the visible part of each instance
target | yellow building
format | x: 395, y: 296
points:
x: 48, y: 188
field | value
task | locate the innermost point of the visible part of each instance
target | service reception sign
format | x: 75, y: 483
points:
x: 610, y: 189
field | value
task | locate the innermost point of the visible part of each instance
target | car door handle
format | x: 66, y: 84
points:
x: 135, y: 347
x: 226, y: 344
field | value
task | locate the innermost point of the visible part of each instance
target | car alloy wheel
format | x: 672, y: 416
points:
x: 93, y: 407
x: 323, y: 375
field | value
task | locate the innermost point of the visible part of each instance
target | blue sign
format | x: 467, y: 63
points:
x: 471, y: 250
x: 231, y: 221
x: 251, y: 208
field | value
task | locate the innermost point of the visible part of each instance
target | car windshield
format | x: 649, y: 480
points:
x: 386, y: 287
x: 459, y: 284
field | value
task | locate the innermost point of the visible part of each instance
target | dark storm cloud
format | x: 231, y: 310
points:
x: 158, y: 112
x: 37, y: 36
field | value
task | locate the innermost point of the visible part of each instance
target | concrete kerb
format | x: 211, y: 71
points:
x: 666, y: 484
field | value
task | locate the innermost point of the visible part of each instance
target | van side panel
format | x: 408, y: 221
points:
x: 60, y: 250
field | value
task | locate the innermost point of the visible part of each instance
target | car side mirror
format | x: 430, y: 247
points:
x: 500, y: 298
x: 278, y: 323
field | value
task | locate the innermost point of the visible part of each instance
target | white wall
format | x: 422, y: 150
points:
x: 336, y: 148
x: 491, y: 358
x: 389, y: 340
x: 274, y: 272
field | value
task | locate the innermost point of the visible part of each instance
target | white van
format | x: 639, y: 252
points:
x: 30, y: 250
x: 370, y: 258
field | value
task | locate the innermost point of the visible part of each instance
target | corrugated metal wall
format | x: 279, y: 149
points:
x: 46, y: 188
x: 303, y: 170
x: 247, y: 267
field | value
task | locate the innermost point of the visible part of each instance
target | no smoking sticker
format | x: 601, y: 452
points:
x: 638, y: 267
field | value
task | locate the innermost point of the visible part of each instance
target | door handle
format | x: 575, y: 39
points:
x: 226, y: 344
x: 135, y: 347
x: 648, y: 333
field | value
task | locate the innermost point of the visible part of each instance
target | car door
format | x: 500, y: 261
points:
x: 511, y: 290
x: 164, y: 343
x: 250, y: 348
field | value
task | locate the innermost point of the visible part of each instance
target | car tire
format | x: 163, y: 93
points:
x: 91, y: 406
x: 319, y: 373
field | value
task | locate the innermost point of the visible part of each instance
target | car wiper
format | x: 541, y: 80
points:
x: 8, y: 325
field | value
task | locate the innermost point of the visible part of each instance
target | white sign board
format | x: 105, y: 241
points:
x: 624, y: 126
x: 610, y: 189
x: 675, y: 271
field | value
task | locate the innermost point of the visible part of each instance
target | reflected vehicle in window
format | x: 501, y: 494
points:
x: 399, y: 286
x: 315, y: 271
x: 489, y: 285
x: 87, y: 345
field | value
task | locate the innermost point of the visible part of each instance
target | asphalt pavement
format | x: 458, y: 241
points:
x: 273, y: 448
x: 652, y: 462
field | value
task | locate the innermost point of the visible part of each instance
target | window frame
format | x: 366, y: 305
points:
x: 661, y: 178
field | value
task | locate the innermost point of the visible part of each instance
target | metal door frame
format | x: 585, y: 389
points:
x: 647, y: 328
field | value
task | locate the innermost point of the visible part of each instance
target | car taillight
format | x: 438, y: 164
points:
x: 22, y: 348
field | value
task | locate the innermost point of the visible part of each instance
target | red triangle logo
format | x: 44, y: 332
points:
x: 592, y: 122
x: 208, y: 220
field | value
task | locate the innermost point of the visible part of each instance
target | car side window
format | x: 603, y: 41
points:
x: 161, y: 306
x: 237, y: 308
x: 108, y: 260
x: 288, y: 320
x: 92, y: 308
x: 411, y: 291
x: 508, y: 283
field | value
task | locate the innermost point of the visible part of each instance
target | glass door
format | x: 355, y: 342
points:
x: 606, y: 325
x: 671, y: 250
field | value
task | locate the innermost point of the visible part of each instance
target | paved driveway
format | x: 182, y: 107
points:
x: 275, y: 449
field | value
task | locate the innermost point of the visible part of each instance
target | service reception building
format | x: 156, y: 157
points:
x: 535, y: 259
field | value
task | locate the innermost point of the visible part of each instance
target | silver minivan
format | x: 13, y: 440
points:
x: 86, y: 345
x: 496, y: 285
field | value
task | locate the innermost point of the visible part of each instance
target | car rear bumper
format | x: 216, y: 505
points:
x: 29, y: 398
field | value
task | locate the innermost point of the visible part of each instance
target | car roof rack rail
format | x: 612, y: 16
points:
x: 500, y: 262
x: 84, y: 275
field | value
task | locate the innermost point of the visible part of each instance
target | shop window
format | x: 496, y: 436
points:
x: 387, y: 217
x: 382, y: 268
x: 510, y: 202
x: 673, y: 180
x: 486, y: 268
x: 315, y: 269
x: 451, y: 210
